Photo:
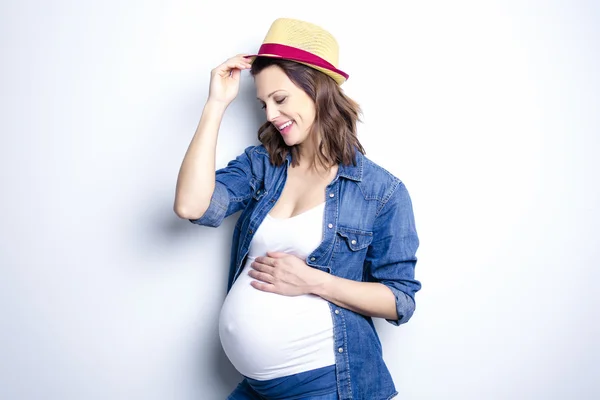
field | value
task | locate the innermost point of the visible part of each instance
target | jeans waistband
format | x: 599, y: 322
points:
x: 310, y: 383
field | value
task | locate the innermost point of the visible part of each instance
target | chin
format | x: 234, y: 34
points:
x: 289, y: 141
x: 292, y: 139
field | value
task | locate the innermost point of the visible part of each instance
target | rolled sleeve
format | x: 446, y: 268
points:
x: 232, y: 190
x: 217, y: 210
x: 391, y: 257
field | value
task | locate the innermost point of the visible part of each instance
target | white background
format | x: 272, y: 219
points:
x: 487, y: 110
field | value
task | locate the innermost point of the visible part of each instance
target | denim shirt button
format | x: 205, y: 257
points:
x: 353, y: 241
x: 330, y: 226
x: 331, y: 194
x: 337, y: 311
x: 341, y: 350
x: 312, y: 259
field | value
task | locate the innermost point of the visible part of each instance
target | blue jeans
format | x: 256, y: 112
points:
x: 318, y: 384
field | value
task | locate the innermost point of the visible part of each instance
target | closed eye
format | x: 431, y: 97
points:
x: 278, y: 101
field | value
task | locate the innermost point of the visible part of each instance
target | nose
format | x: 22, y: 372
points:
x: 272, y: 113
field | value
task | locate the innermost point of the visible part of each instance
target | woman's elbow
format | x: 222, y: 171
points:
x: 187, y: 212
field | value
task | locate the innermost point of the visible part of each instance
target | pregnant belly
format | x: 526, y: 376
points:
x: 267, y: 336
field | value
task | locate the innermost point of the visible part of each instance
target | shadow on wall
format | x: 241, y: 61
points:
x: 225, y: 373
x: 160, y: 234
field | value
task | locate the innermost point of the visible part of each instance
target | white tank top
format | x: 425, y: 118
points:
x: 267, y: 335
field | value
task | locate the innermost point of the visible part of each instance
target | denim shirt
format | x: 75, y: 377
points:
x: 368, y: 235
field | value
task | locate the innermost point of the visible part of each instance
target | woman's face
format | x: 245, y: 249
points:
x: 287, y: 107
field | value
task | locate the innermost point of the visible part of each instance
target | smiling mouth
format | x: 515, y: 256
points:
x: 282, y: 127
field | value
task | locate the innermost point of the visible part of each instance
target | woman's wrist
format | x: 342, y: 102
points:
x: 215, y: 106
x: 322, y: 285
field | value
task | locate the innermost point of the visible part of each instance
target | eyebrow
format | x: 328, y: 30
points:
x: 271, y: 94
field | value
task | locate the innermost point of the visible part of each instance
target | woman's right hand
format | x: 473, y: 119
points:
x: 225, y: 79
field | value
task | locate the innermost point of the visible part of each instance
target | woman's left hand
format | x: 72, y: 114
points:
x: 285, y: 274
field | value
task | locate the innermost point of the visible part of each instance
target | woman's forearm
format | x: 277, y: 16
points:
x: 196, y: 179
x: 367, y: 298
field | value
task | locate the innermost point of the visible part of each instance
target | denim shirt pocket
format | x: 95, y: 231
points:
x: 350, y: 251
x: 355, y: 239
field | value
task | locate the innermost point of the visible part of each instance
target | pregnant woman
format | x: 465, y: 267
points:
x: 326, y: 238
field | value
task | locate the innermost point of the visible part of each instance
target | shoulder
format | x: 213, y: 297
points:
x: 256, y: 156
x: 256, y: 151
x: 259, y: 162
x: 372, y: 170
x: 378, y: 181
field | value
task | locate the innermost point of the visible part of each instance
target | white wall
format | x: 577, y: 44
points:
x: 487, y: 110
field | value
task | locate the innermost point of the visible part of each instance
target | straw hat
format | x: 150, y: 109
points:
x: 303, y: 42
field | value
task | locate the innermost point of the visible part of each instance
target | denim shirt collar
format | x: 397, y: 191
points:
x: 351, y: 171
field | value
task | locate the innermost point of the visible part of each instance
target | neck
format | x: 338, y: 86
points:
x: 308, y: 159
x: 307, y: 153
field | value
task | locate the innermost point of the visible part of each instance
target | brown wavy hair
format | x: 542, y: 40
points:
x: 335, y: 119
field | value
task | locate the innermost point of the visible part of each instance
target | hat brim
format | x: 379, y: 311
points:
x: 337, y: 75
